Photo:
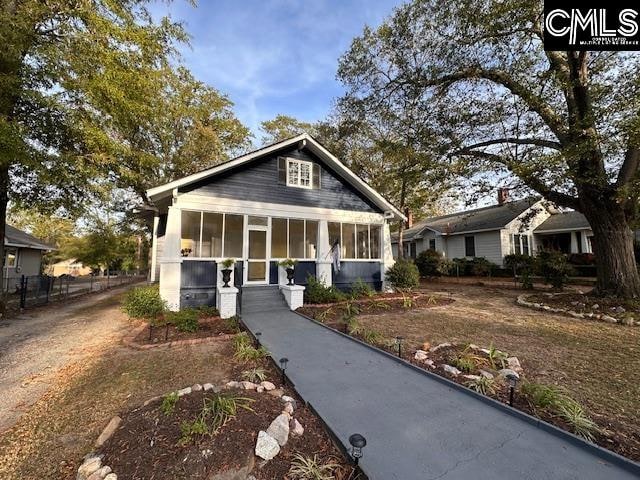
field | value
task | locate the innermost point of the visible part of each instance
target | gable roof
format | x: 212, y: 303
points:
x: 310, y: 143
x: 17, y: 238
x: 494, y: 217
x: 564, y: 221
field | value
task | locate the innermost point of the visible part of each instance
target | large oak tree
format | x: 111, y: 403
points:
x: 566, y: 124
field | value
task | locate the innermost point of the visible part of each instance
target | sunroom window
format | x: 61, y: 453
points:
x: 357, y: 241
x: 292, y: 238
x: 299, y: 173
x: 211, y: 235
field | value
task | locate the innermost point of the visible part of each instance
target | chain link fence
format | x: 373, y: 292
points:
x: 27, y: 291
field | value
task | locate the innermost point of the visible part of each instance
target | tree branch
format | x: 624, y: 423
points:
x: 540, y: 142
x: 630, y: 167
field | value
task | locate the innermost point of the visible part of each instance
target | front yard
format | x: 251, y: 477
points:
x: 598, y: 363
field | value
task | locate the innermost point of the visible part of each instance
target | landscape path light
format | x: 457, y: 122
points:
x: 399, y: 340
x: 283, y: 367
x: 358, y: 442
x: 513, y: 382
x: 258, y: 335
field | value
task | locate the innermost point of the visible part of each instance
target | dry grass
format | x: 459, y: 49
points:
x: 597, y: 362
x: 54, y: 435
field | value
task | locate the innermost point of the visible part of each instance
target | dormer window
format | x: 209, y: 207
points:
x: 299, y: 173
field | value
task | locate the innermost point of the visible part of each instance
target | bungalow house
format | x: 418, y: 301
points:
x: 22, y: 254
x: 521, y: 226
x: 292, y: 199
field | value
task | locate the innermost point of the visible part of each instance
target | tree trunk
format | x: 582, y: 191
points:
x: 4, y: 199
x: 613, y: 249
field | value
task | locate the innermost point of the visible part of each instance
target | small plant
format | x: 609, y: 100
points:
x: 372, y: 336
x: 351, y: 309
x: 407, y: 301
x: 227, y: 263
x: 497, y: 359
x: 580, y: 423
x: 379, y: 305
x: 311, y: 468
x: 463, y: 363
x: 317, y: 292
x: 232, y: 324
x: 169, y: 402
x: 215, y: 413
x: 403, y: 275
x: 241, y: 340
x: 255, y: 375
x: 288, y: 263
x: 360, y: 289
x: 353, y: 326
x: 248, y: 353
x: 207, y: 311
x: 144, y: 302
x: 483, y: 385
x: 185, y: 320
x: 322, y: 316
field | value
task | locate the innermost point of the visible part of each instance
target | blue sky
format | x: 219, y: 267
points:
x: 273, y: 56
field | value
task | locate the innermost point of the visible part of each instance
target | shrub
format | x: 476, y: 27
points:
x: 481, y: 267
x: 144, y: 302
x: 460, y: 266
x: 311, y: 468
x: 430, y: 263
x: 483, y: 385
x: 582, y: 259
x: 255, y: 375
x: 232, y: 323
x: 248, y: 353
x: 403, y: 275
x: 360, y: 289
x: 317, y: 292
x: 185, y: 320
x: 554, y: 268
x: 206, y: 311
x: 519, y: 262
x: 241, y: 340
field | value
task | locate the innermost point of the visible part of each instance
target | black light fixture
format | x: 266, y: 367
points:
x: 399, y: 340
x: 258, y: 335
x: 283, y: 368
x: 358, y: 442
x: 513, y: 382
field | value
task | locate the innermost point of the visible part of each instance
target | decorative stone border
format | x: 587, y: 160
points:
x: 267, y: 445
x: 523, y: 301
x: 129, y: 340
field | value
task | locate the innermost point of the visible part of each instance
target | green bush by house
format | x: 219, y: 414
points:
x: 144, y: 302
x: 403, y: 275
x: 317, y: 292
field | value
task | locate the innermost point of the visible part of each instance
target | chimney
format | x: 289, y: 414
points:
x: 503, y: 195
x: 409, y: 215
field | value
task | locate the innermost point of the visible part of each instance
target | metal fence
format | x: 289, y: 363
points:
x: 33, y: 290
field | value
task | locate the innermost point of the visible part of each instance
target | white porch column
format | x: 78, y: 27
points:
x: 171, y: 261
x: 323, y: 261
x: 574, y: 243
x: 153, y: 274
x: 387, y: 255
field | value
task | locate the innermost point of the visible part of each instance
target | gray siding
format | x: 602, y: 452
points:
x: 258, y: 182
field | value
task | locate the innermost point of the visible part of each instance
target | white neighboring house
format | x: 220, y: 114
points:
x: 292, y: 199
x: 520, y: 226
x: 22, y: 254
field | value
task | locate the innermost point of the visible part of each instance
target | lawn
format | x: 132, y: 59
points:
x: 597, y: 362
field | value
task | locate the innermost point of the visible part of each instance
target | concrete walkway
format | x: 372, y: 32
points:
x: 416, y: 427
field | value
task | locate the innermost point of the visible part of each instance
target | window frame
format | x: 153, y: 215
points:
x: 223, y: 233
x: 7, y: 252
x: 466, y: 246
x: 298, y: 179
x: 357, y: 226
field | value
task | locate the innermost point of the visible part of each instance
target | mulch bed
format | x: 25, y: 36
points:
x: 382, y: 303
x: 147, y: 443
x: 582, y: 303
x: 208, y: 327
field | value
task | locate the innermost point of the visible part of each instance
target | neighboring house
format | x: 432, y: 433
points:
x: 521, y: 227
x: 22, y: 254
x: 292, y: 199
x: 71, y: 266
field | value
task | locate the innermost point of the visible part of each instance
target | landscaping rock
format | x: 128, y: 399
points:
x: 248, y: 385
x: 472, y: 377
x: 421, y: 355
x: 426, y: 346
x: 111, y: 476
x: 266, y: 446
x: 90, y: 465
x: 268, y: 386
x: 609, y: 319
x: 108, y: 431
x: 184, y: 391
x: 506, y: 372
x: 296, y: 428
x: 233, y: 384
x: 430, y: 362
x: 514, y: 364
x: 196, y: 388
x: 288, y: 408
x: 595, y: 306
x: 290, y: 400
x: 438, y: 347
x: 278, y: 392
x: 260, y: 389
x: 486, y: 374
x: 279, y: 429
x: 451, y: 369
x: 100, y: 474
x: 208, y: 386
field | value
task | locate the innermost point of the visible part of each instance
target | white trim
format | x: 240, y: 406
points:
x: 563, y: 230
x: 360, y: 185
x: 208, y: 203
x: 299, y: 164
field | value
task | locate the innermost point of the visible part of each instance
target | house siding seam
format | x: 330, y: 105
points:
x: 259, y: 183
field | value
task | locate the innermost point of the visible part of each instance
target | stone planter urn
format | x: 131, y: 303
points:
x: 290, y: 274
x: 226, y: 277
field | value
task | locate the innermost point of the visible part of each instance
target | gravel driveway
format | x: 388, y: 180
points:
x: 38, y: 344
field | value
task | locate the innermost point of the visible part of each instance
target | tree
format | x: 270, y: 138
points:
x: 564, y: 124
x: 283, y: 127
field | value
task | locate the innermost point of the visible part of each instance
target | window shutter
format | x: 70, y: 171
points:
x: 282, y: 170
x: 317, y: 173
